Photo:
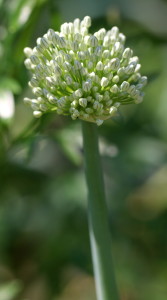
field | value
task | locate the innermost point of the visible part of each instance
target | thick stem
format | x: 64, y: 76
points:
x: 100, y: 239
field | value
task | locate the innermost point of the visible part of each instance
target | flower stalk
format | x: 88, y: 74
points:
x: 88, y: 77
x: 100, y: 239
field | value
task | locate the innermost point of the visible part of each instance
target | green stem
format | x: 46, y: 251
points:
x: 100, y: 239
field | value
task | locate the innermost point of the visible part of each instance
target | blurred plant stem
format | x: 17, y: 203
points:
x: 100, y: 239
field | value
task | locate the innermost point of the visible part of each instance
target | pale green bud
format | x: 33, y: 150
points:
x: 28, y: 51
x: 28, y: 63
x: 34, y: 59
x: 99, y: 122
x: 112, y: 110
x: 87, y: 86
x: 87, y: 21
x: 37, y: 114
x: 83, y: 102
x: 50, y: 34
x: 125, y: 86
x: 37, y: 91
x: 114, y: 89
x: 78, y: 93
x: 114, y: 63
x: 27, y: 101
x: 115, y: 79
x: 127, y: 53
x: 99, y: 66
x: 104, y: 81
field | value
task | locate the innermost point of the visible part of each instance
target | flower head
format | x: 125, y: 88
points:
x: 87, y: 76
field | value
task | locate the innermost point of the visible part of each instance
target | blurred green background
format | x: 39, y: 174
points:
x: 44, y: 242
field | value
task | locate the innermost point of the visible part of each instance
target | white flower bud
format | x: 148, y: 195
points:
x: 28, y: 64
x: 99, y: 66
x: 77, y: 65
x: 33, y: 82
x: 139, y: 86
x: 98, y: 97
x: 50, y: 35
x: 86, y: 39
x: 100, y: 34
x: 65, y: 28
x: 75, y: 45
x: 83, y: 102
x: 81, y: 55
x: 109, y: 103
x: 135, y: 77
x: 134, y: 59
x: 114, y: 63
x: 74, y: 103
x: 127, y: 53
x: 121, y: 71
x: 77, y: 23
x: 68, y: 57
x: 114, y: 89
x: 138, y: 67
x: 115, y: 79
x: 52, y: 99
x: 118, y: 48
x: 75, y: 114
x: 106, y: 96
x: 132, y: 90
x: 106, y: 41
x: 89, y: 110
x: 27, y: 101
x: 96, y: 105
x: 43, y: 107
x: 114, y: 31
x: 104, y: 81
x: 107, y: 69
x: 78, y: 37
x: 61, y: 102
x: 93, y: 41
x: 139, y: 99
x: 84, y: 31
x: 55, y: 39
x: 98, y: 51
x: 125, y: 86
x: 59, y: 59
x: 39, y: 68
x: 69, y: 80
x: 28, y: 51
x: 87, y: 21
x: 34, y: 59
x: 106, y: 54
x: 99, y: 122
x: 117, y: 104
x: 87, y: 86
x: 58, y: 71
x: 78, y: 93
x: 37, y: 91
x: 121, y: 38
x: 112, y: 110
x: 37, y: 113
x: 67, y: 66
x: 43, y: 43
x: 61, y: 42
x: 130, y: 69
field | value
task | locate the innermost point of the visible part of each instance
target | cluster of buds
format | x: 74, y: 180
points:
x: 87, y: 76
